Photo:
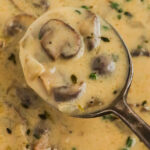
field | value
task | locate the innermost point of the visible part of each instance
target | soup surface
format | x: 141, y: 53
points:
x: 27, y: 122
x: 74, y: 80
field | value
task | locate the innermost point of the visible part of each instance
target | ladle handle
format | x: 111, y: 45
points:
x: 134, y: 122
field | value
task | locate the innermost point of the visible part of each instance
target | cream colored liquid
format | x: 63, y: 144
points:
x: 101, y: 88
x: 90, y: 134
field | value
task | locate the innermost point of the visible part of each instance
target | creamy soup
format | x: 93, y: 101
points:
x: 72, y: 61
x: 27, y: 122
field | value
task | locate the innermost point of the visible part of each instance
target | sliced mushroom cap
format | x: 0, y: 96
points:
x: 26, y: 95
x: 90, y: 29
x: 67, y: 93
x: 34, y: 7
x: 103, y: 64
x: 58, y: 38
x: 18, y: 24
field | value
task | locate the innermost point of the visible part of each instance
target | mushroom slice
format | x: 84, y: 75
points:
x: 33, y: 68
x: 90, y: 29
x: 26, y: 96
x: 58, y: 38
x: 34, y: 7
x: 103, y: 64
x: 18, y: 24
x: 67, y: 93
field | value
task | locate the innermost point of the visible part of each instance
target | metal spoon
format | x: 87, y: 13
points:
x: 120, y: 107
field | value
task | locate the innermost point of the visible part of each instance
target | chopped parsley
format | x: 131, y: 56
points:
x: 40, y: 36
x: 120, y: 10
x: 119, y: 16
x: 129, y: 142
x: 77, y: 11
x: 128, y: 0
x: 139, y: 46
x: 26, y: 106
x: 105, y: 39
x: 27, y: 146
x: 73, y: 79
x: 12, y: 58
x: 128, y: 14
x: 44, y: 115
x: 37, y: 136
x: 74, y: 148
x: 85, y: 7
x: 115, y: 57
x: 28, y: 132
x: 115, y: 92
x: 144, y: 102
x: 8, y: 130
x: 124, y: 149
x: 109, y: 117
x: 93, y: 76
x: 105, y: 28
x: 114, y: 5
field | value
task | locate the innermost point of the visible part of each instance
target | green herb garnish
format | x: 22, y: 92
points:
x: 28, y: 132
x: 12, y: 58
x: 124, y: 149
x: 73, y: 79
x: 129, y: 142
x: 85, y: 7
x: 114, y: 5
x: 27, y: 146
x: 109, y: 117
x: 93, y: 76
x: 115, y: 57
x: 8, y: 130
x: 144, y: 102
x: 105, y: 28
x: 74, y: 148
x: 44, y: 116
x: 77, y: 11
x: 128, y: 14
x: 120, y: 10
x: 37, y: 136
x: 119, y: 17
x: 105, y: 39
x: 115, y: 92
x: 139, y: 46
